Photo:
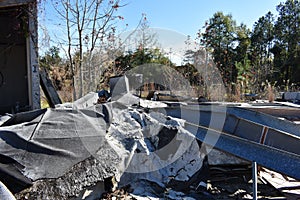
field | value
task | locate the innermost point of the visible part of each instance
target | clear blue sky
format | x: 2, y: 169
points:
x: 182, y: 16
x: 188, y: 16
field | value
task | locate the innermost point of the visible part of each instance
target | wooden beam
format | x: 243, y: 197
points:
x: 49, y: 89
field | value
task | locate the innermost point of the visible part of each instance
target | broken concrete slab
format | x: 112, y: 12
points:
x: 80, y: 177
x: 217, y: 157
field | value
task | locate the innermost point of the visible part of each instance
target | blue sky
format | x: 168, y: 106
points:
x: 173, y: 20
x: 188, y: 16
x: 179, y: 17
x: 184, y: 16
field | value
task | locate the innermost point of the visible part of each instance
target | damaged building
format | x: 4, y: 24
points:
x: 129, y: 147
x: 19, y: 72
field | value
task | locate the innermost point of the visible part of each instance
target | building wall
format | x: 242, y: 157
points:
x: 32, y: 45
x: 19, y: 72
x: 7, y: 3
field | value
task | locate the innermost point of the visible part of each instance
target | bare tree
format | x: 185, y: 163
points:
x: 87, y: 22
x: 146, y: 38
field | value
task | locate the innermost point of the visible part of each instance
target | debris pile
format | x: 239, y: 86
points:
x: 63, y: 152
x: 158, y: 154
x: 117, y: 150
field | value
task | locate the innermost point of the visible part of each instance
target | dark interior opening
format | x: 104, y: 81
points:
x: 13, y: 60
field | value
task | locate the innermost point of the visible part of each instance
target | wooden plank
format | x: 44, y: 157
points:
x: 281, y: 182
x: 49, y: 89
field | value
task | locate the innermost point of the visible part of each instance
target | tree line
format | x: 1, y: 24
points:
x: 269, y: 52
x: 248, y: 60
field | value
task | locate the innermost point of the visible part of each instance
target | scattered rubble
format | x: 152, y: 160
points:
x: 117, y: 150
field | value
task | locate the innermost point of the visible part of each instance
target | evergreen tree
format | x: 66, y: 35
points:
x: 287, y: 42
x: 261, y: 43
x: 220, y: 39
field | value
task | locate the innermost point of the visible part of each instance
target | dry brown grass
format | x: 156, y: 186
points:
x: 271, y: 93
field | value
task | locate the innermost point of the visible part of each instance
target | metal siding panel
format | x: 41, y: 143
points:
x: 282, y: 141
x: 248, y: 130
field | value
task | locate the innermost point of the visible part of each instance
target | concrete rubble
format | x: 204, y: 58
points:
x: 84, y: 150
x: 125, y: 140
